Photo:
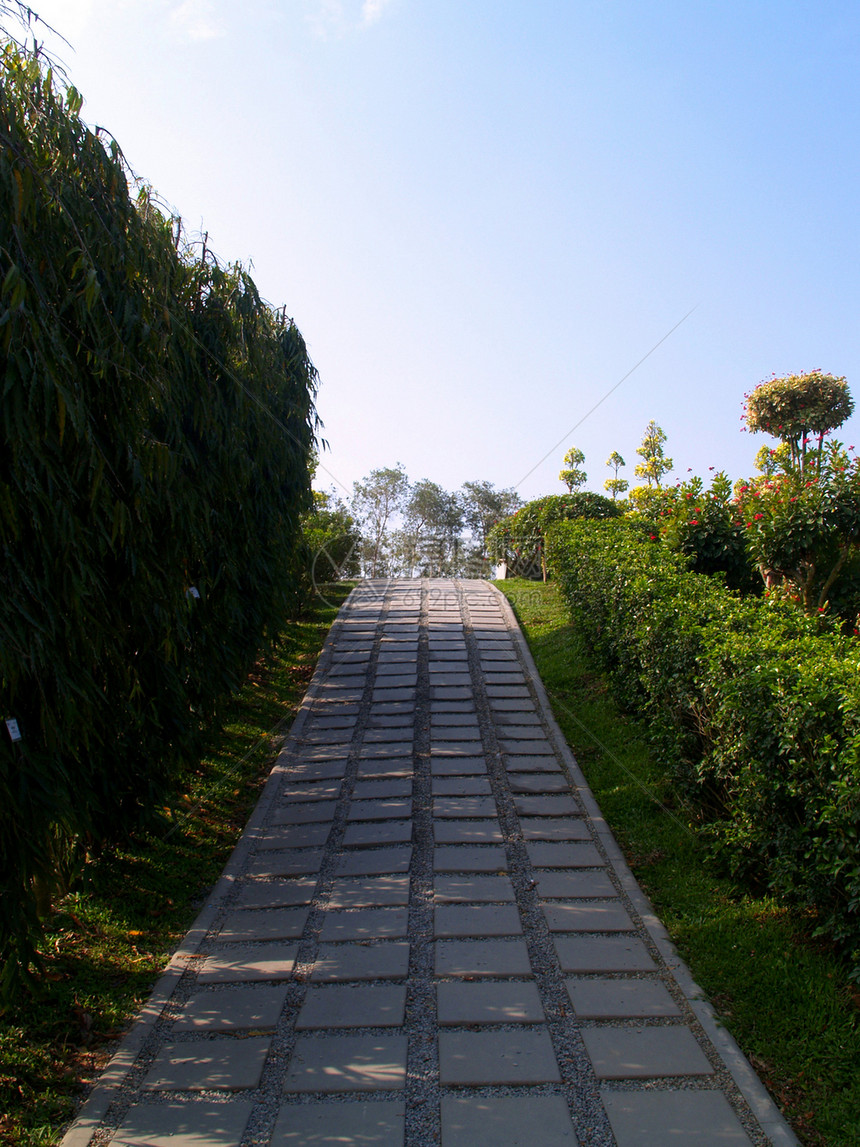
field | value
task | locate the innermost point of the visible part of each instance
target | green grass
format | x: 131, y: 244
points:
x: 785, y: 999
x: 109, y: 938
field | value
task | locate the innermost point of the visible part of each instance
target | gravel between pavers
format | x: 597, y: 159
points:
x: 425, y: 691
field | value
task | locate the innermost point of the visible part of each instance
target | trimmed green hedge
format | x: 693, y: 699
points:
x: 757, y: 711
x: 519, y: 540
x: 157, y: 424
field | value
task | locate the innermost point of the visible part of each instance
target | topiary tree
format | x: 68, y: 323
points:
x: 615, y: 485
x: 571, y: 475
x: 654, y: 463
x: 796, y: 408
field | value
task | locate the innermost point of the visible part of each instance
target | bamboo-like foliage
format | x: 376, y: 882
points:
x: 157, y: 424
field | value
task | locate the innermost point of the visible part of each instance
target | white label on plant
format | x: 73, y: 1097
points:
x: 13, y: 730
x: 193, y: 592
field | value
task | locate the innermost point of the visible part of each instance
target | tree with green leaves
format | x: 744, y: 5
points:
x: 654, y: 462
x: 484, y: 506
x: 615, y: 485
x: 375, y: 503
x: 428, y: 543
x: 572, y: 476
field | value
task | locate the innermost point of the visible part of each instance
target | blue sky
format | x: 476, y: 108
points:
x: 483, y: 213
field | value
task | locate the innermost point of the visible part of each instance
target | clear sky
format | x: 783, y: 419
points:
x: 483, y: 213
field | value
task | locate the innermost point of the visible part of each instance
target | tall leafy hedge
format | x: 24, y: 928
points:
x: 758, y: 711
x: 157, y: 423
x: 519, y: 540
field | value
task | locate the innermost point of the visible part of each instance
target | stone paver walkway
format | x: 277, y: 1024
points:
x: 427, y: 934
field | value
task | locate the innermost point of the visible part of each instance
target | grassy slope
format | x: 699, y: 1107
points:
x: 785, y: 999
x: 110, y: 937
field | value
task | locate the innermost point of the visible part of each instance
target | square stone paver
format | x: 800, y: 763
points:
x: 464, y: 806
x: 311, y: 791
x: 500, y: 675
x: 253, y: 924
x: 384, y: 735
x: 463, y: 747
x: 376, y: 769
x: 395, y: 720
x: 570, y: 854
x: 228, y: 1064
x: 364, y: 862
x: 619, y: 999
x: 522, y: 715
x: 538, y: 782
x: 382, y: 790
x: 369, y: 891
x: 381, y: 809
x: 484, y: 1003
x: 236, y: 964
x: 555, y: 804
x: 399, y: 748
x: 506, y: 1121
x: 472, y: 889
x: 206, y: 1124
x: 644, y: 1053
x: 461, y: 786
x: 482, y: 958
x: 512, y: 705
x: 509, y: 744
x: 476, y: 920
x: 469, y: 734
x: 364, y: 924
x: 554, y: 828
x: 469, y: 858
x: 484, y: 1058
x: 337, y: 962
x: 453, y: 705
x: 308, y: 771
x: 371, y: 833
x: 299, y: 862
x: 447, y: 679
x: 591, y: 883
x: 353, y: 1006
x: 523, y: 763
x: 655, y: 1118
x: 607, y: 916
x: 457, y: 766
x: 329, y: 1124
x: 467, y: 832
x: 278, y: 893
x: 293, y: 836
x: 347, y: 1063
x: 393, y: 694
x: 603, y: 954
x: 225, y: 1008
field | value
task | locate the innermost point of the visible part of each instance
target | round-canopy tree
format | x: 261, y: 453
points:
x: 796, y: 407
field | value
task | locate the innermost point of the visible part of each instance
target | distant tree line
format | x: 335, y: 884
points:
x: 392, y: 527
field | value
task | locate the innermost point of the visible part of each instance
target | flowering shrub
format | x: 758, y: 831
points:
x: 756, y: 711
x: 707, y: 526
x: 803, y: 532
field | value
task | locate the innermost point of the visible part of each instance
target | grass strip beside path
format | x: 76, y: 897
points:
x: 110, y: 937
x: 785, y: 998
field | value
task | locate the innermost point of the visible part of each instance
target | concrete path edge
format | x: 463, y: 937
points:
x: 770, y: 1118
